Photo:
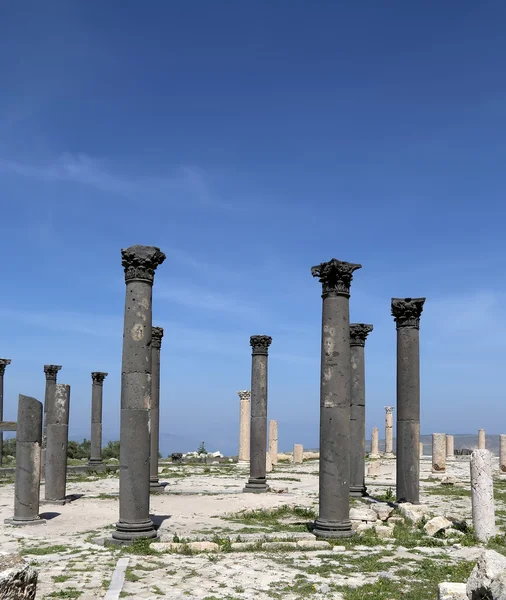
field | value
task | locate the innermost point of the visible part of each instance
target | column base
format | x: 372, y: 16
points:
x: 60, y: 502
x: 256, y: 486
x: 332, y: 529
x: 358, y: 491
x: 126, y: 533
x: 21, y: 523
x: 389, y: 455
x: 155, y: 487
x: 374, y: 456
x: 96, y: 465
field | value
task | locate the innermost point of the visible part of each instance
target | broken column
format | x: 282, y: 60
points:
x: 406, y: 313
x: 96, y: 463
x: 273, y: 442
x: 335, y: 400
x: 421, y: 449
x: 3, y: 363
x: 502, y: 453
x: 481, y: 439
x: 298, y: 454
x: 438, y: 452
x: 244, y: 426
x: 374, y: 443
x: 450, y: 447
x: 28, y: 449
x: 57, y: 418
x: 358, y: 335
x: 260, y: 350
x: 51, y: 372
x: 482, y: 495
x: 156, y: 345
x: 140, y: 263
x: 389, y: 432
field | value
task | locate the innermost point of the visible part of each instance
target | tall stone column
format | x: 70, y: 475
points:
x: 140, y: 263
x: 156, y: 345
x: 421, y: 450
x: 481, y: 439
x: 273, y: 441
x: 57, y: 416
x: 358, y: 335
x: 244, y: 426
x: 406, y: 313
x: 374, y: 443
x: 450, y: 447
x: 482, y: 495
x: 438, y: 452
x: 298, y: 454
x: 389, y: 432
x: 28, y: 447
x: 51, y: 372
x: 502, y: 453
x: 335, y: 400
x: 96, y: 461
x: 3, y: 363
x: 258, y: 444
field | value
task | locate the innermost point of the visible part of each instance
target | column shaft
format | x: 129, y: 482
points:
x: 389, y: 432
x: 502, y: 453
x: 450, y: 447
x: 51, y: 372
x: 154, y: 482
x: 438, y: 452
x: 374, y: 443
x: 244, y: 426
x: 481, y: 440
x: 273, y: 441
x: 57, y: 417
x: 298, y: 454
x: 96, y: 461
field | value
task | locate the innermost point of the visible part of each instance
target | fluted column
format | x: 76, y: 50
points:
x: 273, y: 442
x: 258, y: 443
x: 335, y: 400
x: 406, y: 313
x: 140, y: 263
x: 389, y: 432
x: 156, y: 345
x: 96, y: 461
x: 3, y: 363
x: 358, y: 335
x: 51, y: 372
x: 244, y: 426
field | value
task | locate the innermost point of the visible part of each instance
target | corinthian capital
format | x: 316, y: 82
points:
x: 156, y: 337
x: 3, y: 363
x: 407, y: 311
x: 260, y: 344
x: 244, y: 395
x: 51, y: 371
x: 98, y: 377
x: 335, y: 277
x: 140, y: 262
x: 389, y: 410
x: 359, y: 333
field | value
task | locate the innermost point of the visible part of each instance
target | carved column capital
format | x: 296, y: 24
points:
x: 140, y: 262
x: 335, y: 277
x: 98, y: 377
x: 260, y: 344
x: 359, y: 333
x: 51, y: 371
x: 3, y: 363
x: 407, y: 311
x: 244, y: 395
x: 156, y: 337
x: 389, y: 410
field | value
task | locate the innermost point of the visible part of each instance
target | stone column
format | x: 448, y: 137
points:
x: 438, y: 452
x: 298, y: 454
x: 96, y: 461
x: 3, y: 363
x: 481, y: 439
x: 482, y: 495
x: 358, y: 335
x: 57, y: 417
x: 421, y: 449
x: 28, y: 447
x: 273, y: 441
x: 156, y: 345
x: 406, y: 313
x: 374, y: 443
x: 140, y: 263
x: 51, y: 372
x: 258, y: 443
x: 389, y: 432
x: 335, y: 400
x: 502, y: 453
x: 450, y: 447
x: 244, y: 426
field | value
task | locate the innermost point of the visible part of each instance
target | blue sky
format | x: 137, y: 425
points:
x: 250, y: 141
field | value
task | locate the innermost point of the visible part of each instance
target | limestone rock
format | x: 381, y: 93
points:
x: 451, y: 591
x: 448, y: 480
x: 278, y: 545
x: 166, y: 546
x: 361, y: 527
x: 488, y: 578
x: 373, y: 469
x: 384, y: 532
x: 363, y: 514
x: 203, y: 547
x: 436, y: 525
x: 413, y: 512
x: 18, y: 580
x: 313, y: 544
x: 241, y: 546
x: 383, y: 510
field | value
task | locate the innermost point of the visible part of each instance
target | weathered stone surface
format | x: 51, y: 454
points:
x: 298, y: 454
x: 384, y: 532
x: 413, y: 512
x: 482, y: 495
x: 241, y: 546
x: 482, y: 444
x: 374, y: 468
x: 451, y: 591
x: 438, y: 452
x: 18, y: 580
x: 488, y: 578
x: 166, y: 546
x: 313, y: 544
x: 273, y: 441
x: 203, y: 547
x: 448, y: 480
x: 244, y: 425
x: 389, y: 432
x: 363, y: 514
x: 382, y: 510
x: 436, y: 525
x: 339, y: 549
x: 374, y: 443
x: 268, y: 463
x: 278, y: 545
x: 361, y: 527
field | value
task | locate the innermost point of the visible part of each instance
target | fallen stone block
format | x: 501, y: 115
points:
x: 435, y: 525
x: 382, y: 510
x: 18, y: 580
x: 278, y: 545
x: 395, y: 519
x: 384, y: 532
x: 313, y: 544
x: 363, y: 514
x: 338, y: 549
x: 241, y: 546
x: 203, y: 547
x: 361, y: 527
x: 449, y: 480
x: 451, y: 591
x: 488, y: 578
x: 413, y: 512
x: 166, y: 546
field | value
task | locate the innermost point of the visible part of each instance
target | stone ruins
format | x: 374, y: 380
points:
x: 341, y: 517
